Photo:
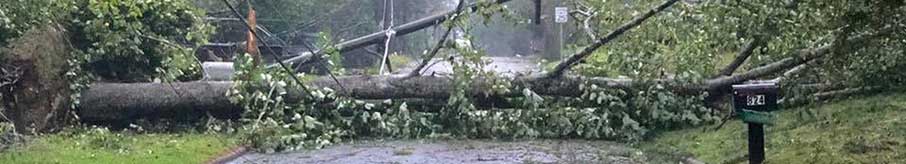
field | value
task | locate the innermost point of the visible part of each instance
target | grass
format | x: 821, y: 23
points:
x: 99, y: 146
x: 859, y: 130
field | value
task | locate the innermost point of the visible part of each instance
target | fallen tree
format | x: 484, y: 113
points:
x: 116, y: 101
x: 123, y: 101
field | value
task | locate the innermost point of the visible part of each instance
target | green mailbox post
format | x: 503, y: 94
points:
x: 754, y: 102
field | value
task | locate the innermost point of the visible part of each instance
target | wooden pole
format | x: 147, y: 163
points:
x: 251, y: 46
x: 756, y: 143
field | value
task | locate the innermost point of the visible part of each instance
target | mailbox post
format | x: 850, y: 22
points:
x: 754, y: 102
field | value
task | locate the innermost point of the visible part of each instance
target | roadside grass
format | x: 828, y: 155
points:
x: 101, y: 146
x: 868, y: 129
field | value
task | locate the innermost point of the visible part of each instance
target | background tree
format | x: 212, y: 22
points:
x: 59, y: 46
x: 695, y: 39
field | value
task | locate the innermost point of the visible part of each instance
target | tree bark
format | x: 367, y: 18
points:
x: 427, y: 57
x: 126, y: 101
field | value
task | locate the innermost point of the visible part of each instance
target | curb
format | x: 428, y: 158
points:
x: 229, y: 155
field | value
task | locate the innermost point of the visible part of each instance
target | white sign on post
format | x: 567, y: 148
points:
x: 562, y: 14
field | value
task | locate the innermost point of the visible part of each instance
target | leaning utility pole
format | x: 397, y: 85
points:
x: 379, y: 37
x: 551, y: 30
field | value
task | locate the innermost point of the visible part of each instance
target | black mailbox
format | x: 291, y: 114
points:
x: 761, y: 97
x: 754, y: 102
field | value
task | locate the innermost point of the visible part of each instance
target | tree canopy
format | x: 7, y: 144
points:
x: 659, y: 67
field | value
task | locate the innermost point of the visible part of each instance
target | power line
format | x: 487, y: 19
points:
x: 268, y: 47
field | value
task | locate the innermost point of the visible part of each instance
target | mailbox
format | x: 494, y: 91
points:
x: 760, y: 97
x: 754, y: 101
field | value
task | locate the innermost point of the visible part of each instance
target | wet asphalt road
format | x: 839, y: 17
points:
x: 457, y: 151
x: 506, y: 66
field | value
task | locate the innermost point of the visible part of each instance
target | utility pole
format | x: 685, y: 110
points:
x: 551, y: 31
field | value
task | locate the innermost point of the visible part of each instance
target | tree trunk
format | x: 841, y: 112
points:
x: 122, y: 101
x: 126, y: 101
x: 108, y: 101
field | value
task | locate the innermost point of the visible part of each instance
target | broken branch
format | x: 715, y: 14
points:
x: 439, y: 45
x: 741, y: 58
x: 572, y: 60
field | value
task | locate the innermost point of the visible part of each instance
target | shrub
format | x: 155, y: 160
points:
x: 137, y: 40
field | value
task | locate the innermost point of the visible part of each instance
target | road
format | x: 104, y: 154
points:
x: 506, y: 66
x: 457, y: 151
